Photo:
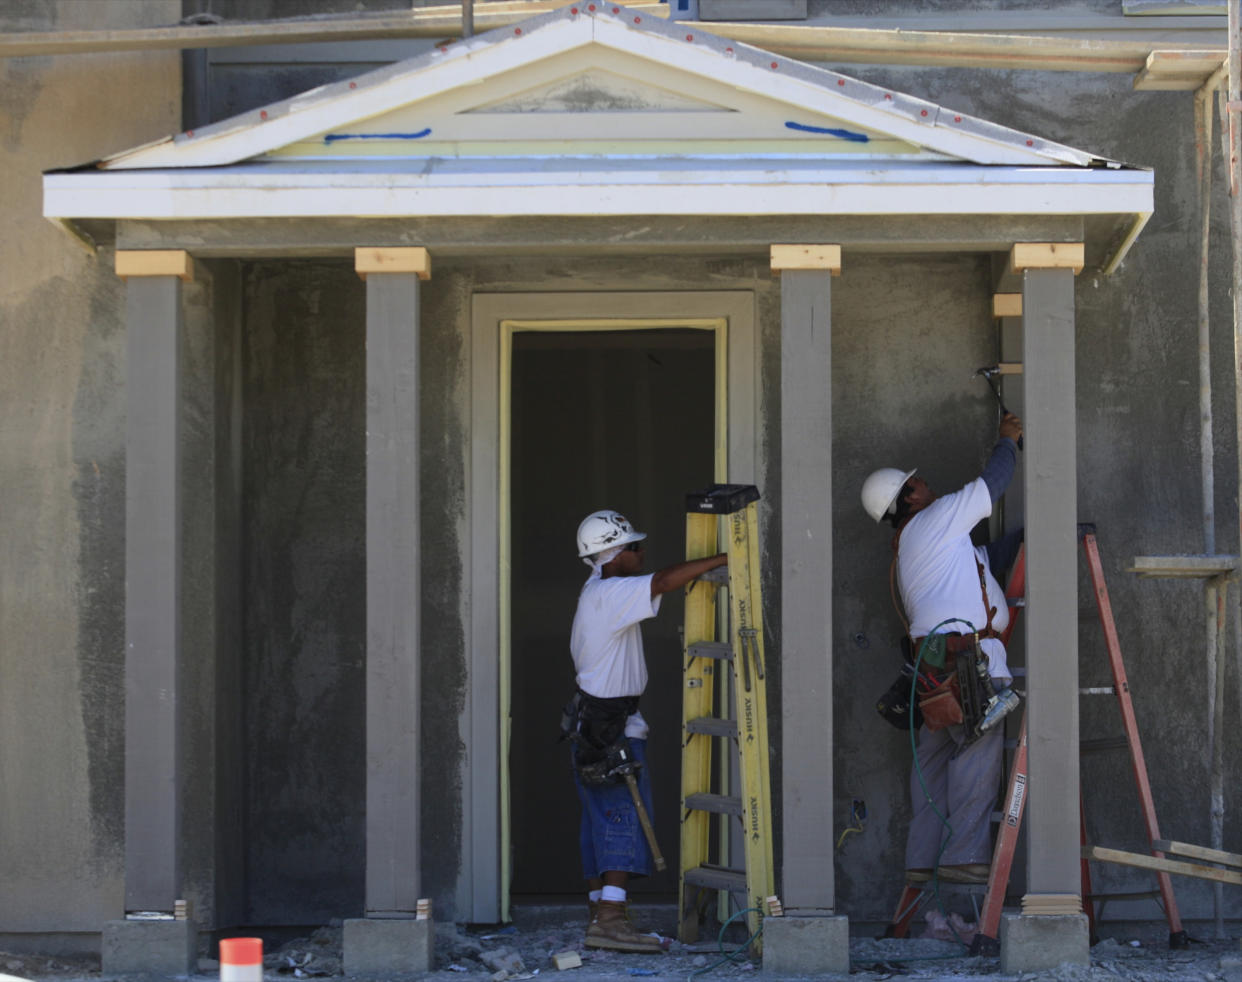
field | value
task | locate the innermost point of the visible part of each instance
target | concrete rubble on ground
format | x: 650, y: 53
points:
x: 528, y: 953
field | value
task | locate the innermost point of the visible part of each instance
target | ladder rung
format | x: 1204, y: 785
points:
x: 717, y: 878
x: 713, y: 726
x: 710, y: 649
x: 1097, y: 690
x: 1098, y: 746
x: 718, y: 804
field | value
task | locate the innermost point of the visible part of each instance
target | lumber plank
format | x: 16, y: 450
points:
x: 1006, y: 305
x: 399, y: 259
x: 947, y: 49
x: 441, y: 21
x: 1198, y: 852
x: 154, y: 262
x: 1173, y: 866
x: 806, y: 257
x: 1182, y: 567
x: 1047, y: 255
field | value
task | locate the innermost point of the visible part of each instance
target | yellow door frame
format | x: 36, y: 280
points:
x: 508, y: 328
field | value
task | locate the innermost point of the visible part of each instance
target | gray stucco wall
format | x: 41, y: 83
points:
x: 908, y: 332
x: 62, y: 476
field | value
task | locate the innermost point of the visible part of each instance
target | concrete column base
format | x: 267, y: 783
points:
x: 376, y: 945
x: 149, y: 947
x: 1040, y: 943
x: 806, y: 945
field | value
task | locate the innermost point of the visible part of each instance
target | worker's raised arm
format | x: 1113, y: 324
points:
x: 674, y: 577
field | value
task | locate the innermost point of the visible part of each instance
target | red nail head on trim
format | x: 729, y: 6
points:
x: 775, y: 64
x: 728, y: 51
x: 638, y: 20
x: 591, y: 8
x: 1030, y: 143
x: 888, y: 95
x: 353, y: 85
x: 689, y: 37
x: 517, y: 30
x: 616, y: 10
x: 923, y: 113
x: 840, y: 81
x: 573, y: 10
x: 189, y: 132
x: 444, y: 50
x: 263, y: 114
x: 957, y: 119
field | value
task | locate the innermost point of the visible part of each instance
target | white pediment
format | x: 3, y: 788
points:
x: 600, y: 80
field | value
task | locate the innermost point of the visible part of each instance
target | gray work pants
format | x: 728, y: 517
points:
x: 964, y: 782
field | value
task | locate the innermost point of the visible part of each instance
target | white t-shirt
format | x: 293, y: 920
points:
x: 606, y: 642
x: 937, y: 575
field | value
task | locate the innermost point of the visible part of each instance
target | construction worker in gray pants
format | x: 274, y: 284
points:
x: 947, y: 587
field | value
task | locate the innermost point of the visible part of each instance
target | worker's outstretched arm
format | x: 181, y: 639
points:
x: 998, y: 471
x: 675, y: 577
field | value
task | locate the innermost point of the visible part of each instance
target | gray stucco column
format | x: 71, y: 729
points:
x: 808, y: 938
x: 1052, y: 928
x: 391, y: 938
x: 154, y: 706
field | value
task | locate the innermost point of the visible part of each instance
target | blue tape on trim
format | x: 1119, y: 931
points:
x: 335, y: 137
x: 843, y: 134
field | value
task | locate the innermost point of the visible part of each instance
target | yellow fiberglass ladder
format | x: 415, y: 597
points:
x: 725, y: 725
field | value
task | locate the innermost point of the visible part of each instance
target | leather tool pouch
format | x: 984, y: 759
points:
x: 942, y: 706
x: 597, y: 726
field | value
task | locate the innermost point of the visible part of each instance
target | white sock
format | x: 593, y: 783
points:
x: 614, y: 894
x: 594, y: 895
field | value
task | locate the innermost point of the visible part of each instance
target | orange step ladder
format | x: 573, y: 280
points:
x: 987, y: 938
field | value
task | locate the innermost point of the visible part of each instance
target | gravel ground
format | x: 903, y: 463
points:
x: 465, y: 953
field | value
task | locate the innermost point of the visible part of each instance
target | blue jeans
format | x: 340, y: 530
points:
x: 609, y: 835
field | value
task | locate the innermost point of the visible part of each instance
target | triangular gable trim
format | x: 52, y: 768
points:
x: 469, y: 62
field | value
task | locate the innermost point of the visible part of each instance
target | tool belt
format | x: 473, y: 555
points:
x: 943, y: 648
x: 602, y: 754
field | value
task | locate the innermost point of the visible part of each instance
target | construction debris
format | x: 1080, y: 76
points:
x: 567, y: 959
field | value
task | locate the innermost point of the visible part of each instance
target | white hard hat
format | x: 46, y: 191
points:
x: 880, y: 490
x: 602, y: 530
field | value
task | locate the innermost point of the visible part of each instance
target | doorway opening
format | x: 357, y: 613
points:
x: 624, y: 414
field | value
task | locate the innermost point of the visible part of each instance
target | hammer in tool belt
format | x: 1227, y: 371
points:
x: 988, y: 371
x: 645, y: 820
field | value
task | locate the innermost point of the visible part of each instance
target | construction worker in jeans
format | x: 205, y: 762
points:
x: 942, y: 577
x: 607, y: 648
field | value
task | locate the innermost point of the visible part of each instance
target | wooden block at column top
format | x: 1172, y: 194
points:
x: 405, y: 259
x: 806, y: 257
x: 1006, y: 305
x: 154, y: 262
x: 1047, y: 255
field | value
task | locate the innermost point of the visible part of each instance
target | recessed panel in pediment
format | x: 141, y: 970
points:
x: 597, y: 90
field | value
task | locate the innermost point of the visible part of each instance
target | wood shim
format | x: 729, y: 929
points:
x: 1051, y: 904
x: 806, y: 257
x: 1198, y: 852
x: 1046, y: 255
x: 1006, y: 305
x: 154, y: 262
x: 406, y: 259
x: 1142, y: 861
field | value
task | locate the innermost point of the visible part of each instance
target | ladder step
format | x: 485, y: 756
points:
x: 1098, y: 690
x: 1108, y: 743
x: 710, y: 649
x: 713, y: 726
x: 718, y: 804
x: 717, y: 878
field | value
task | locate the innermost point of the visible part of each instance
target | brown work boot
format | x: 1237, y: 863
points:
x: 611, y: 929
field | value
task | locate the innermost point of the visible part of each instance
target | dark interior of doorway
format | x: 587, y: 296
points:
x: 600, y: 419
